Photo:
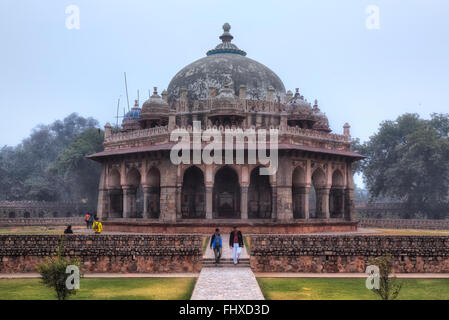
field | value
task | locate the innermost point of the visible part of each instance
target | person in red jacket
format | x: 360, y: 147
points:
x: 88, y: 220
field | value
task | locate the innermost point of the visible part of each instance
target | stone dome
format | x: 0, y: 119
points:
x: 322, y: 122
x: 299, y: 107
x: 132, y: 118
x: 223, y: 64
x: 156, y: 105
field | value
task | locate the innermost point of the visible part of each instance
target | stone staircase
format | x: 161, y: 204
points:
x: 226, y: 262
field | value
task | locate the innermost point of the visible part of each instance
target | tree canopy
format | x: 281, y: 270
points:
x: 408, y: 161
x: 50, y: 164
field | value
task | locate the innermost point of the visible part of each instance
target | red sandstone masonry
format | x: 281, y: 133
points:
x: 284, y: 253
x: 105, y: 253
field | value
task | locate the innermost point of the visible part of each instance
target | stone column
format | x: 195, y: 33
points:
x: 306, y: 202
x: 168, y: 203
x: 284, y: 203
x: 209, y: 192
x: 274, y: 197
x: 126, y: 202
x: 323, y: 194
x: 146, y: 198
x: 179, y: 201
x: 103, y: 204
x: 244, y: 203
x: 349, y: 213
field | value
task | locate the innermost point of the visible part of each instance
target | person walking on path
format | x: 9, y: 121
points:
x: 97, y: 226
x: 87, y: 220
x: 216, y: 244
x: 236, y: 243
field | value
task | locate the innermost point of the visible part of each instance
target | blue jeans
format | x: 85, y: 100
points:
x: 235, y: 253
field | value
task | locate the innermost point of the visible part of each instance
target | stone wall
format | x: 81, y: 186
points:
x: 105, y: 253
x: 6, y: 222
x: 284, y: 253
x: 207, y: 226
x: 405, y: 224
x: 42, y: 209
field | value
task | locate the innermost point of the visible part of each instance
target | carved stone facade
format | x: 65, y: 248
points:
x: 227, y: 92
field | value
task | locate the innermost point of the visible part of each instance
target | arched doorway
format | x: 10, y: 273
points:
x: 26, y: 215
x: 115, y: 195
x: 259, y: 196
x: 336, y: 195
x: 299, y: 193
x: 226, y: 194
x: 193, y: 194
x: 153, y: 207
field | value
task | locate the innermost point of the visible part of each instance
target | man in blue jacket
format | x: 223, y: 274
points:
x: 216, y: 244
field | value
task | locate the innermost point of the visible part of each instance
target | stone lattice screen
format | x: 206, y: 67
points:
x: 105, y: 253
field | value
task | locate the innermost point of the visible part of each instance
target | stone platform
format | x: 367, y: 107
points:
x: 207, y: 226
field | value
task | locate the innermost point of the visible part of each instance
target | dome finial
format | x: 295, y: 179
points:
x: 226, y: 46
x: 226, y: 36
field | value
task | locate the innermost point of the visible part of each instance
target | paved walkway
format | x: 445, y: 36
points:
x: 226, y: 252
x: 226, y: 283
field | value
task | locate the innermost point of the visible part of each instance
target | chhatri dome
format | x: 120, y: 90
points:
x: 225, y: 62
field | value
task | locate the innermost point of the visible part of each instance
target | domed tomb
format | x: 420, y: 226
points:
x: 225, y: 62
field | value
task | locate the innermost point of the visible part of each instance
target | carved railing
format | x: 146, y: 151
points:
x: 137, y: 134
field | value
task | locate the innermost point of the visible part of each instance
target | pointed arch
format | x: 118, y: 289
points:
x: 226, y: 194
x: 259, y: 196
x: 193, y: 194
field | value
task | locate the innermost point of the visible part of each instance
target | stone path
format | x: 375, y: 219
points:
x: 226, y: 283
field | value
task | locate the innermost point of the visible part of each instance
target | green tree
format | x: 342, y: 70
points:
x: 27, y: 171
x: 408, y: 160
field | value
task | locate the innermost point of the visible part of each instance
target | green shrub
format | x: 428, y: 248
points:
x: 54, y: 275
x: 389, y: 287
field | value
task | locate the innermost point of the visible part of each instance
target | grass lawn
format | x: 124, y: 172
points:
x: 103, y: 289
x: 409, y: 232
x: 348, y: 289
x: 30, y: 230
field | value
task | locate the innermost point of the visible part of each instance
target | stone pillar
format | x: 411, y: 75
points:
x: 323, y: 200
x: 244, y: 203
x: 168, y: 203
x: 284, y: 203
x: 179, y: 201
x: 146, y: 198
x: 306, y: 202
x: 349, y: 195
x: 209, y: 192
x: 349, y: 213
x: 274, y: 197
x: 103, y: 204
x: 129, y: 202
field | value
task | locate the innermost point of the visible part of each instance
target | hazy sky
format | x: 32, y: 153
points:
x: 358, y: 75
